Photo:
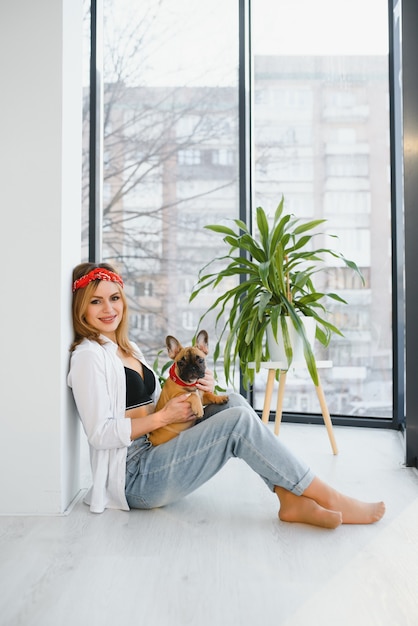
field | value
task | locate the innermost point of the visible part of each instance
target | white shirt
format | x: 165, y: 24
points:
x: 97, y: 379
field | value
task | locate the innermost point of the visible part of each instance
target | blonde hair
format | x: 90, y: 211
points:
x: 81, y: 300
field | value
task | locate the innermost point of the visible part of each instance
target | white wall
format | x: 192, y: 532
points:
x: 40, y: 191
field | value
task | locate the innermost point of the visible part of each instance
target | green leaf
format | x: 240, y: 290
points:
x: 219, y: 228
x: 302, y: 228
x: 280, y: 251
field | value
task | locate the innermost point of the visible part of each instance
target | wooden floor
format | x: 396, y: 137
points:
x: 221, y: 558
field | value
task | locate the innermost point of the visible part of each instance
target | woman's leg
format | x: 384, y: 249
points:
x: 168, y: 472
x: 165, y: 473
x: 320, y: 504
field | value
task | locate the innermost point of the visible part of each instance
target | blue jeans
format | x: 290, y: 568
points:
x: 158, y: 475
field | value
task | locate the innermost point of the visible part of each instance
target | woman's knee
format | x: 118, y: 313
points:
x: 240, y: 416
x: 236, y: 399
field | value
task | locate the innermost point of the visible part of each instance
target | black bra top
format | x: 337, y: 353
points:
x: 138, y: 390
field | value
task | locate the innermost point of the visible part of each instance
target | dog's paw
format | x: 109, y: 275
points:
x: 196, y: 405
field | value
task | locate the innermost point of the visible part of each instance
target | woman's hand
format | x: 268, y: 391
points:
x: 206, y: 384
x: 177, y: 409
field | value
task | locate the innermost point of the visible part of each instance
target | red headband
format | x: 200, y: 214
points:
x: 98, y: 273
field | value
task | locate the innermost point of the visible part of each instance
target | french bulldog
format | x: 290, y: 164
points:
x: 188, y: 367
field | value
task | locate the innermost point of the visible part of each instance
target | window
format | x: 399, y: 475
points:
x: 321, y: 124
x: 320, y: 138
x: 142, y: 322
x: 346, y: 165
x: 223, y: 157
x: 189, y: 157
x: 144, y: 289
x: 171, y: 153
x: 346, y: 203
x: 189, y: 321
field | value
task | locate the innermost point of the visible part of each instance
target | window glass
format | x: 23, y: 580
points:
x: 86, y: 128
x: 321, y: 138
x: 170, y: 154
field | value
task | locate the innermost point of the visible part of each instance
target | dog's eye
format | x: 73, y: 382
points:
x: 201, y: 360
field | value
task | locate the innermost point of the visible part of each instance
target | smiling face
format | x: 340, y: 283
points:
x: 105, y: 309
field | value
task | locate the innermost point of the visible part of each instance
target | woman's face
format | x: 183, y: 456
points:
x: 105, y: 309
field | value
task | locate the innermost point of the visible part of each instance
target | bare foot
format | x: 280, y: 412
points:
x: 306, y: 511
x: 357, y: 512
x: 353, y: 511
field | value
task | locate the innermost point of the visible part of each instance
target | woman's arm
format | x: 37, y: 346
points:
x: 177, y: 409
x: 102, y: 417
x: 105, y: 425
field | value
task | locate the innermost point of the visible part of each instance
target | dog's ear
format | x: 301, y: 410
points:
x: 202, y: 342
x: 173, y: 346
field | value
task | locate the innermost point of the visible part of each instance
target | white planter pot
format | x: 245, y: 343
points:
x: 276, y: 348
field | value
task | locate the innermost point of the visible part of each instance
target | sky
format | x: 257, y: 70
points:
x: 195, y: 41
x: 320, y: 26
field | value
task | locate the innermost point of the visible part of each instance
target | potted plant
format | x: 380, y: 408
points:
x: 276, y: 267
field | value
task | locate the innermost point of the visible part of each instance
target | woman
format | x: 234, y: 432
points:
x: 115, y: 392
